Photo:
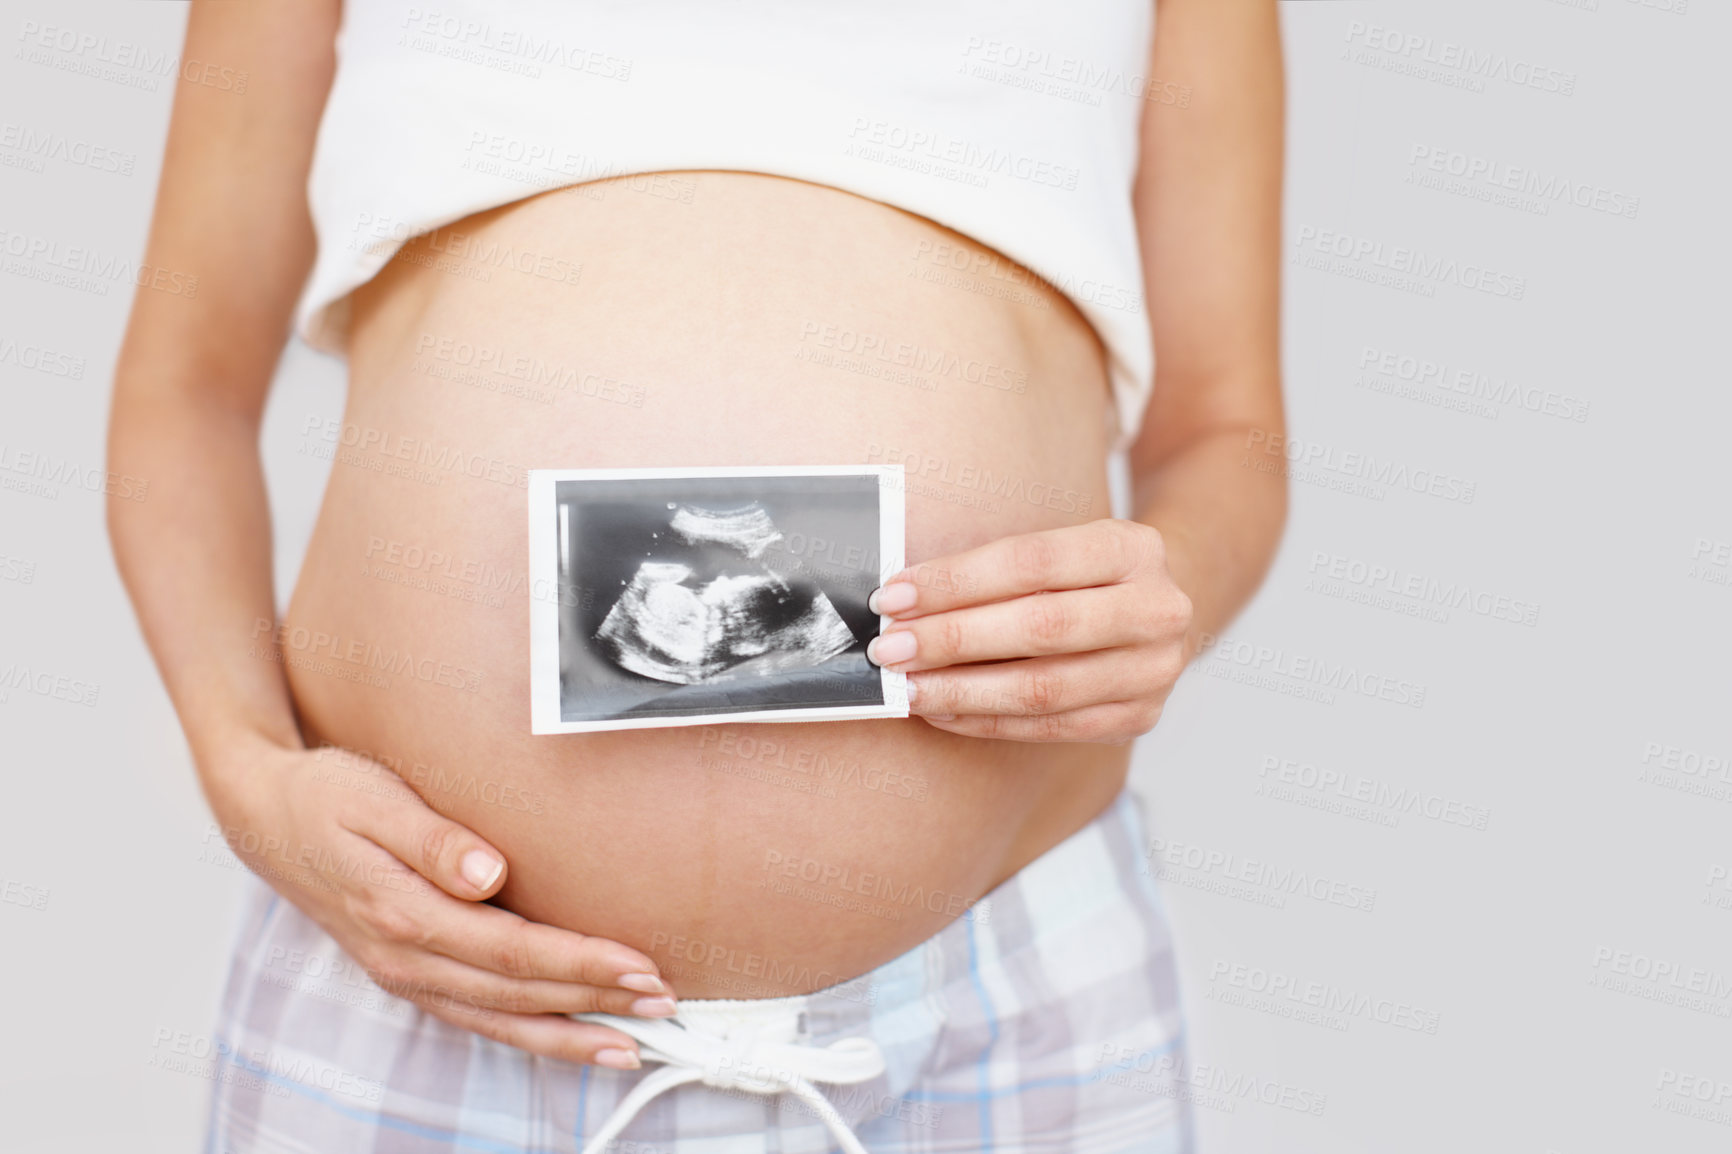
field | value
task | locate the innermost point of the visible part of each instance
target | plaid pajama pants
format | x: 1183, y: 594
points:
x: 1025, y: 1027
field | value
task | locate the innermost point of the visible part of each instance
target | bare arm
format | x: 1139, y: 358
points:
x: 193, y: 372
x: 1208, y: 202
x: 1079, y: 633
x: 189, y: 391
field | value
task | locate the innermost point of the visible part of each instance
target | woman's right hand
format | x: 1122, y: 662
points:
x: 402, y: 888
x: 378, y: 869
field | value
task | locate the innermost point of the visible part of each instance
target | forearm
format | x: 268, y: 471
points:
x: 1208, y: 201
x: 1221, y: 519
x: 196, y: 559
x: 193, y: 372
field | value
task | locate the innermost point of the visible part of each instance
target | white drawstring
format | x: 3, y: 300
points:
x: 739, y: 1054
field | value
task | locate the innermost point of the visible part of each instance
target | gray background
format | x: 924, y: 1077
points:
x: 1589, y: 851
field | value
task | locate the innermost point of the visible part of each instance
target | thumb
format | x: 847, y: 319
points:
x: 451, y: 856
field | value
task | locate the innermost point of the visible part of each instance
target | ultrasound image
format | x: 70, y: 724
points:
x: 666, y: 627
x: 716, y: 594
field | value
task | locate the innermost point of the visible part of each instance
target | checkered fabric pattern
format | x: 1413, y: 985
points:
x: 1020, y: 1028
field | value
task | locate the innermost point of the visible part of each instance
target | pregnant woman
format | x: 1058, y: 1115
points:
x: 991, y: 242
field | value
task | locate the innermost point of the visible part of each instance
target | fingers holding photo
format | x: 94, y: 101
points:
x: 1101, y: 552
x: 1036, y: 624
x: 1070, y: 634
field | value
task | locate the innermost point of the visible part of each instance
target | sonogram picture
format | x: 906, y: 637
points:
x: 692, y: 596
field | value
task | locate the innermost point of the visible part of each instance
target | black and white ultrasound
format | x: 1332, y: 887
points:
x: 684, y: 596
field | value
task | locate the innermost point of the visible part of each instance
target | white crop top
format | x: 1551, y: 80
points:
x: 1013, y: 122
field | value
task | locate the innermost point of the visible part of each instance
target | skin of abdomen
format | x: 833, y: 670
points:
x: 692, y: 319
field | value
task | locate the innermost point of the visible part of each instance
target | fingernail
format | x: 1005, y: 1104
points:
x: 642, y: 983
x: 481, y: 869
x: 654, y: 1008
x: 618, y: 1059
x: 892, y: 648
x: 896, y: 597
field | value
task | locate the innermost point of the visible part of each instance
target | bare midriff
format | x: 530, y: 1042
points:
x: 679, y: 320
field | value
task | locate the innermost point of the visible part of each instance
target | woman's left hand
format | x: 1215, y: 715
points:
x: 1072, y: 634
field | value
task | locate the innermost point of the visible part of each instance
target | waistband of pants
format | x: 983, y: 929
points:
x: 832, y: 1037
x: 1100, y: 865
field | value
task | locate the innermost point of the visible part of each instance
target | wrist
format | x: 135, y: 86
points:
x: 233, y: 760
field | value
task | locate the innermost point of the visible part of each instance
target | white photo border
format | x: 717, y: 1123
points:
x: 544, y: 686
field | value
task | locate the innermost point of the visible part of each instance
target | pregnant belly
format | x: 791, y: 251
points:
x: 692, y: 319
